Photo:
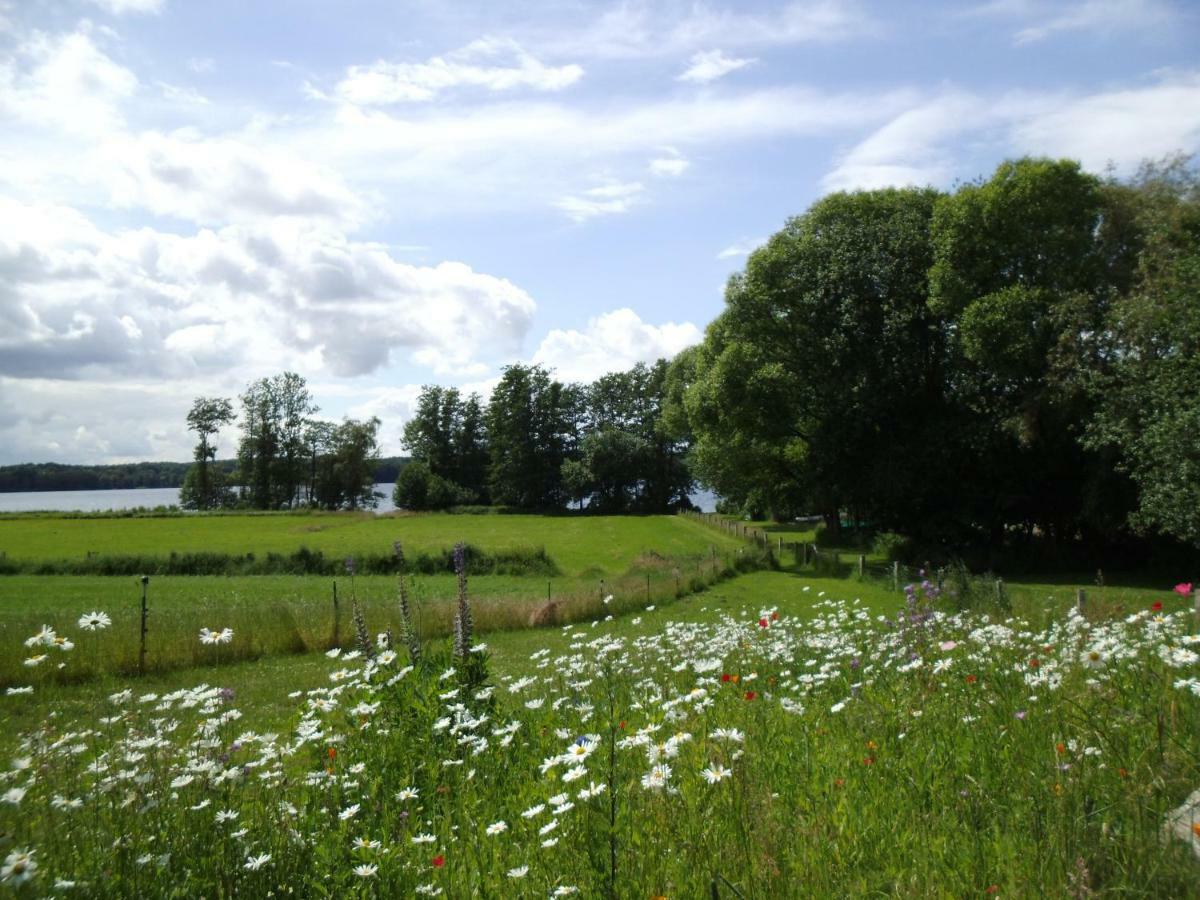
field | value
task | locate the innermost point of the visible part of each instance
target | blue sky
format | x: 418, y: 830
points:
x: 381, y: 195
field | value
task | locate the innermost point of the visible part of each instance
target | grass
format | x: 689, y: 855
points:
x: 581, y: 546
x: 846, y: 758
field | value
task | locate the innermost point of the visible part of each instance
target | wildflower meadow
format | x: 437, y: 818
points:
x: 813, y: 747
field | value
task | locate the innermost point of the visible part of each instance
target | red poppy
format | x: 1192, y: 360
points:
x: 971, y: 679
x: 750, y: 695
x: 1035, y: 662
x: 622, y: 724
x: 775, y: 617
x: 1060, y: 748
x: 868, y: 760
x: 1156, y: 606
x: 762, y: 623
x: 439, y: 861
x: 993, y: 889
x: 332, y: 752
x: 726, y: 677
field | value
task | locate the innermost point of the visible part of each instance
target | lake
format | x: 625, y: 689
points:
x: 94, y: 501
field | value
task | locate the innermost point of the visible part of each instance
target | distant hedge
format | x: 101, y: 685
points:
x: 517, y: 561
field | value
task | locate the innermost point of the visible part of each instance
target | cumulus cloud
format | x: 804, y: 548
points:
x: 65, y: 82
x: 84, y: 303
x: 493, y: 64
x: 612, y: 342
x: 709, y: 65
x: 217, y: 180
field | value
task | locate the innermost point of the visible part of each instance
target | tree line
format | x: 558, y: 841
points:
x: 286, y: 457
x: 1015, y: 360
x: 539, y: 443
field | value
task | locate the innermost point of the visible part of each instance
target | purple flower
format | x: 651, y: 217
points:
x: 1020, y: 714
x: 855, y: 663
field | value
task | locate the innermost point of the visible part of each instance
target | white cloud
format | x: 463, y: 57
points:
x: 606, y: 200
x: 65, y: 82
x: 219, y: 180
x: 741, y: 247
x: 1043, y: 20
x: 489, y: 63
x: 672, y: 165
x: 612, y: 342
x: 643, y: 29
x: 181, y: 95
x: 120, y: 7
x: 913, y: 148
x: 709, y: 65
x: 1123, y: 127
x: 922, y: 145
x: 79, y: 302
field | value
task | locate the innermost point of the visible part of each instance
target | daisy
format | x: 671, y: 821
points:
x: 518, y: 872
x: 45, y: 636
x: 656, y: 778
x: 254, y: 863
x: 94, y: 621
x: 19, y: 867
x: 716, y: 772
x: 497, y: 828
x: 367, y: 870
x: 349, y: 812
x: 408, y: 793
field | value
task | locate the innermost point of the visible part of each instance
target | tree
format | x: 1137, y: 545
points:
x: 817, y: 387
x: 1149, y: 395
x: 532, y: 420
x: 1026, y: 265
x: 273, y: 452
x: 200, y: 490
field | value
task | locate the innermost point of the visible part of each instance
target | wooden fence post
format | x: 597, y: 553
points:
x: 337, y: 619
x: 1081, y: 600
x: 895, y: 575
x: 862, y: 565
x: 142, y: 642
x: 999, y: 590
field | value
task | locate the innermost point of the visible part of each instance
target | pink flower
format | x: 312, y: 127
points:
x: 1183, y: 589
x: 948, y: 645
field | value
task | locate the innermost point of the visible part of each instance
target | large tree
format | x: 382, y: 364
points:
x: 1026, y: 266
x: 274, y: 452
x: 1149, y: 395
x: 818, y: 385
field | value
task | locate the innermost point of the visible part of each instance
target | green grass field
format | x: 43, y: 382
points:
x: 582, y: 546
x: 767, y: 733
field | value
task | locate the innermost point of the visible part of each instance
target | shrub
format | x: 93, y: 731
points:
x: 892, y: 546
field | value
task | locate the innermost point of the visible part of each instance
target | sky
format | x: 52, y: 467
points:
x: 381, y: 195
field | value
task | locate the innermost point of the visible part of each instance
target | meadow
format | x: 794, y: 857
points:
x: 773, y: 734
x: 587, y: 546
x: 634, y: 560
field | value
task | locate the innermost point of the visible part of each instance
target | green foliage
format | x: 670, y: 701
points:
x: 821, y: 372
x: 1149, y: 394
x: 891, y: 546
